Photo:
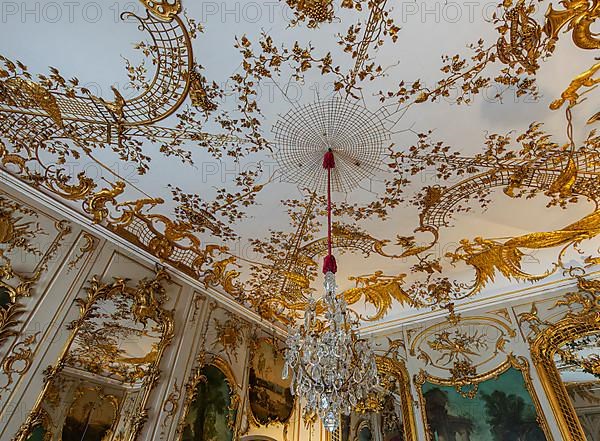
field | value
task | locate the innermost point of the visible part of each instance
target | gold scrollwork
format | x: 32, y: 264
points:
x: 394, y: 377
x: 458, y: 344
x: 578, y: 16
x: 16, y: 234
x: 164, y: 9
x: 572, y: 93
x: 90, y: 245
x: 548, y: 339
x: 19, y: 361
x: 170, y: 406
x: 147, y: 299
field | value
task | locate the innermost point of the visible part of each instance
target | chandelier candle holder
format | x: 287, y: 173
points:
x: 333, y: 368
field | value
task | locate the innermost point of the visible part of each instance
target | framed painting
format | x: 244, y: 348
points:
x: 270, y: 396
x: 498, y: 406
x: 364, y: 432
x: 211, y: 410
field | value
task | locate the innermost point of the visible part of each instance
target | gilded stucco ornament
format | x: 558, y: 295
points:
x: 164, y: 9
x: 572, y: 93
x: 16, y: 233
x: 54, y: 108
x: 577, y: 16
x: 462, y: 346
x: 19, y: 360
x: 89, y: 245
x: 146, y: 301
x: 380, y: 290
x: 579, y: 318
x: 524, y: 43
x: 230, y: 335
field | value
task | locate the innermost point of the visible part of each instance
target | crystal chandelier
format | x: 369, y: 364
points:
x: 333, y: 368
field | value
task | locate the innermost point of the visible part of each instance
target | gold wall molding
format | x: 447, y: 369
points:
x: 581, y: 319
x: 14, y: 285
x: 147, y: 298
x: 394, y: 378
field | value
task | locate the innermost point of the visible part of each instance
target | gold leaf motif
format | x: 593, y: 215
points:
x: 39, y: 96
x: 489, y: 256
x: 379, y: 290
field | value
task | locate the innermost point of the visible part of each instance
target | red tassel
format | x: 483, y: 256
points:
x: 329, y: 264
x: 328, y: 160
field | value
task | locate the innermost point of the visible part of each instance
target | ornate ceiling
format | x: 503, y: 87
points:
x: 465, y: 134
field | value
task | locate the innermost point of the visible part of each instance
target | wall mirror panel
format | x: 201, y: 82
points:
x: 578, y: 362
x: 565, y: 350
x: 99, y: 388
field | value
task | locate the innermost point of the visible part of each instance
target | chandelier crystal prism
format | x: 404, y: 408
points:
x: 333, y: 368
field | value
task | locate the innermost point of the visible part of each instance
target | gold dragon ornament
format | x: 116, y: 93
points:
x: 578, y: 17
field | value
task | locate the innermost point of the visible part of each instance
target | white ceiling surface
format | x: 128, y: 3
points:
x: 92, y: 51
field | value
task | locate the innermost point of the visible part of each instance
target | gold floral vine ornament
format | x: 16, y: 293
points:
x: 146, y: 301
x: 55, y: 109
x: 15, y: 233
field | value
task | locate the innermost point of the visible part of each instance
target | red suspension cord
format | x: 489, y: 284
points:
x: 329, y: 264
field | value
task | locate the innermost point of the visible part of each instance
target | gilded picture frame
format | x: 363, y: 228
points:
x: 191, y: 393
x: 266, y: 386
x: 543, y: 349
x: 147, y: 304
x: 394, y: 371
x: 472, y: 383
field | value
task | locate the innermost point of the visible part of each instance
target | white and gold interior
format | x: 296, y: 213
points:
x: 162, y: 211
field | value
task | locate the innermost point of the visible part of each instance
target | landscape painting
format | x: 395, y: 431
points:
x: 501, y: 410
x: 210, y: 417
x: 271, y: 397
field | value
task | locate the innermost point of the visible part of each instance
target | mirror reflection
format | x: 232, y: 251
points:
x: 578, y: 362
x: 99, y: 388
